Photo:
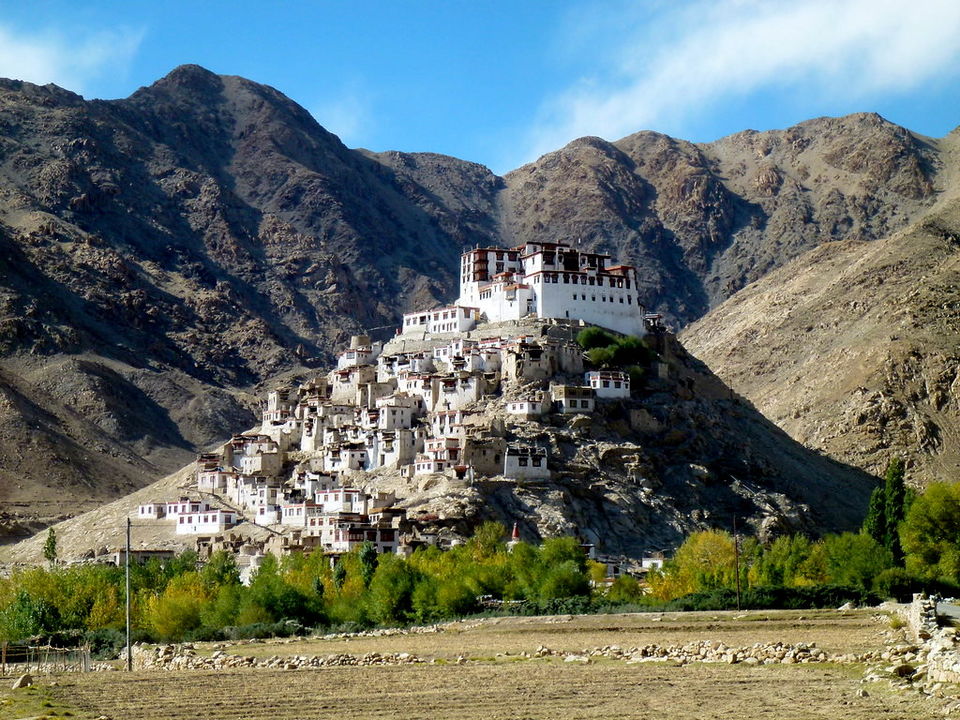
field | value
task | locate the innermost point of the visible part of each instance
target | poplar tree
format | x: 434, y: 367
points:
x: 50, y: 547
x: 887, y: 510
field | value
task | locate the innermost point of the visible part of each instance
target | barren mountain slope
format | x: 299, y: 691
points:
x: 854, y: 348
x: 161, y: 254
x: 702, y: 221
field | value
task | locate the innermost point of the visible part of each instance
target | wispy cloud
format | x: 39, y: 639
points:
x: 691, y: 56
x: 348, y: 115
x: 70, y: 60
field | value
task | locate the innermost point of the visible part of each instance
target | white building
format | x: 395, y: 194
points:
x: 152, y: 511
x: 186, y: 506
x: 297, y: 514
x: 525, y: 462
x: 351, y: 357
x: 279, y: 405
x: 573, y: 398
x: 211, y: 520
x: 390, y: 366
x: 449, y: 423
x: 439, y: 455
x: 609, y: 384
x: 455, y: 319
x: 339, y: 458
x: 397, y: 411
x: 530, y: 407
x: 342, y: 500
x: 392, y: 448
x: 551, y: 280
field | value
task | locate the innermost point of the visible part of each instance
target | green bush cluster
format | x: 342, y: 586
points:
x: 180, y: 600
x: 605, y: 349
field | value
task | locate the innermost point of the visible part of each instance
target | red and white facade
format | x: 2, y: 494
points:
x: 551, y: 280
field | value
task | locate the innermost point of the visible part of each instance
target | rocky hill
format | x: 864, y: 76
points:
x: 163, y: 255
x: 854, y: 348
x: 684, y: 453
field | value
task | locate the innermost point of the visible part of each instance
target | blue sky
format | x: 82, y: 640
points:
x: 500, y: 82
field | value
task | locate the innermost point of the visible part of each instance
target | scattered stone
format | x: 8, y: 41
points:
x: 25, y: 680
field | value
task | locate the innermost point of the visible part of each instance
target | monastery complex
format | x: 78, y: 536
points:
x: 443, y: 398
x: 544, y: 280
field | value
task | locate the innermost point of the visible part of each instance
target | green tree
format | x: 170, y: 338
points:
x: 931, y: 533
x: 625, y: 590
x: 221, y: 569
x: 855, y: 559
x: 887, y: 510
x: 780, y: 564
x: 27, y: 616
x: 391, y: 591
x: 368, y: 562
x: 50, y: 547
x: 487, y: 541
x: 339, y: 575
x: 875, y: 521
x: 894, y: 501
x: 595, y: 337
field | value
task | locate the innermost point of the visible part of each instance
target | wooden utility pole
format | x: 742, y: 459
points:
x: 736, y: 557
x: 127, y: 558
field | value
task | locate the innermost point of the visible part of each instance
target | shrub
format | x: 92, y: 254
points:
x: 595, y: 337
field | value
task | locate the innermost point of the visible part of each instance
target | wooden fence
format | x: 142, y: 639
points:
x: 16, y: 659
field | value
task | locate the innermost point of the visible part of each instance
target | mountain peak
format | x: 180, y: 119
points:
x: 192, y: 81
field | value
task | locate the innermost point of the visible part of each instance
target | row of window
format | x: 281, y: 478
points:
x: 603, y: 298
x: 534, y: 461
x: 583, y: 280
x: 205, y: 518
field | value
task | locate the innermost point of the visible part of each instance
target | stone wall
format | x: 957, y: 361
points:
x: 938, y: 646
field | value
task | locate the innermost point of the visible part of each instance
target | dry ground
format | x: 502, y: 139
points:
x: 832, y: 631
x: 502, y: 687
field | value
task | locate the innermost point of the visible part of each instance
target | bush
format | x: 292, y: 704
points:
x: 595, y: 337
x: 900, y: 585
x: 624, y: 590
x: 284, y: 628
x: 769, y: 598
x: 106, y: 643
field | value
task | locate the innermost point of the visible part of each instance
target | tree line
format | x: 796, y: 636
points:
x: 180, y: 599
x: 908, y: 543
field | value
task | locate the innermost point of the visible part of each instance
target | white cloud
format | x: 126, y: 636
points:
x: 348, y: 116
x: 69, y: 61
x: 700, y: 53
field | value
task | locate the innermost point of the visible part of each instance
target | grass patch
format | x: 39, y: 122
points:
x: 33, y: 701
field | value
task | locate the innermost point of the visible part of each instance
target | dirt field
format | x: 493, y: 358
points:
x: 495, y: 685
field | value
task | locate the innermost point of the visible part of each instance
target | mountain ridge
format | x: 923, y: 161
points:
x: 206, y: 234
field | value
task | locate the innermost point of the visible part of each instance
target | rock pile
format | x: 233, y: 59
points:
x: 706, y: 651
x: 185, y: 657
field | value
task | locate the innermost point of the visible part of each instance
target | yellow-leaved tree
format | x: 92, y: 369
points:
x: 177, y: 610
x: 705, y: 561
